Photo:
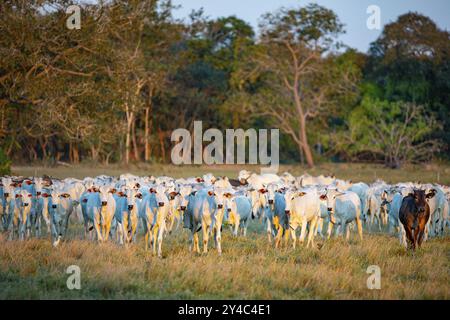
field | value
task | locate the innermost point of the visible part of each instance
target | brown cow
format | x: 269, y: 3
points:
x: 414, y: 214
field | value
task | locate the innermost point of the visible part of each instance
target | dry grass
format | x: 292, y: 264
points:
x: 248, y: 269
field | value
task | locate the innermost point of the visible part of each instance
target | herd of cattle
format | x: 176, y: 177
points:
x: 117, y: 208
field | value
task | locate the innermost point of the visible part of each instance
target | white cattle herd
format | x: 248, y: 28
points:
x: 118, y: 208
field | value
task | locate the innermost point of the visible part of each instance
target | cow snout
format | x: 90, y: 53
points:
x: 6, y: 194
x: 288, y: 212
x: 183, y: 208
x: 38, y: 193
x: 330, y: 209
x: 130, y: 207
x: 25, y: 204
x: 220, y: 206
x: 229, y: 209
x: 54, y: 206
x: 270, y: 201
x: 161, y: 204
x: 104, y: 203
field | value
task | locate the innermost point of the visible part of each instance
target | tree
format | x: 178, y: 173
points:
x: 299, y: 78
x: 410, y: 62
x: 395, y: 131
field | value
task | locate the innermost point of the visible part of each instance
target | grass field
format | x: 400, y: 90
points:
x: 356, y: 172
x: 249, y: 268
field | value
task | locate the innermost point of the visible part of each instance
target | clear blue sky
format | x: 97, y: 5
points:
x: 351, y: 12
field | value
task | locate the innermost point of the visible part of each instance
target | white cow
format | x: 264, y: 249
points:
x: 303, y: 207
x: 344, y: 208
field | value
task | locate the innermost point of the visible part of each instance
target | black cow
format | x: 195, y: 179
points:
x: 414, y: 214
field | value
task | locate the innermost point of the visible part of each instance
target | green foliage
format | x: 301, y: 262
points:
x: 5, y: 163
x: 395, y: 131
x: 410, y: 62
x: 133, y: 73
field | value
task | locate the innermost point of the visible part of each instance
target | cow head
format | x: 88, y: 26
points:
x: 330, y: 197
x: 420, y: 199
x: 161, y: 198
x: 185, y: 193
x: 26, y: 200
x: 289, y: 197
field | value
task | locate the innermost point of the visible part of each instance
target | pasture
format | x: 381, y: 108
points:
x: 356, y: 171
x: 249, y: 268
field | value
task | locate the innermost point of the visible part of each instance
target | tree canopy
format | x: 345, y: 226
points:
x: 115, y: 89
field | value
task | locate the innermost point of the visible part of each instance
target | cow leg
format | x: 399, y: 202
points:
x: 345, y: 230
x: 147, y: 235
x: 86, y: 229
x: 427, y: 230
x: 329, y: 230
x: 360, y: 229
x: 155, y: 237
x: 218, y: 237
x: 303, y: 231
x: 269, y: 231
x: 236, y: 227
x: 98, y: 226
x: 278, y: 236
x: 293, y: 236
x: 379, y: 219
x: 39, y: 225
x: 119, y: 233
x: 311, y: 232
x: 319, y: 227
x: 191, y: 242
x: 196, y: 243
x: 205, y: 230
x: 420, y: 235
x: 286, y: 236
x: 160, y: 239
x: 66, y: 226
x: 245, y: 227
x: 410, y: 237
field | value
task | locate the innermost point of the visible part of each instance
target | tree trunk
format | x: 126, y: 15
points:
x: 146, y: 135
x: 43, y: 143
x: 75, y: 154
x: 133, y: 137
x: 130, y: 116
x: 94, y: 153
x: 161, y: 143
x: 305, y: 144
x: 148, y: 123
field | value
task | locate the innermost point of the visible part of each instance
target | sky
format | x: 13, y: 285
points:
x: 353, y: 13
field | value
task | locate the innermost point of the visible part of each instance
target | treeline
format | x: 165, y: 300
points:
x: 114, y: 90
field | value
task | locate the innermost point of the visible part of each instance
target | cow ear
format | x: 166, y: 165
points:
x: 431, y: 194
x: 211, y: 193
